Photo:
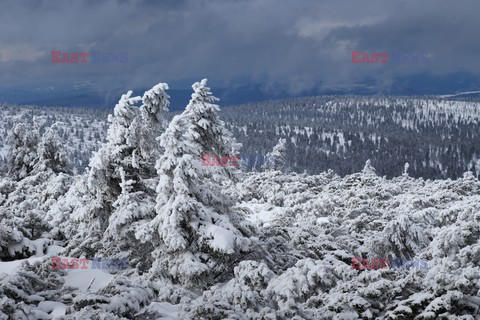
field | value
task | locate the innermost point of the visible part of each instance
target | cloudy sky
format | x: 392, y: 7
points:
x: 281, y: 46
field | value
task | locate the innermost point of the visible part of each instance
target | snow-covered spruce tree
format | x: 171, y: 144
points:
x: 31, y: 154
x: 197, y: 235
x: 147, y: 127
x: 13, y: 245
x: 22, y: 155
x: 405, y: 169
x: 118, y: 189
x: 50, y: 153
x: 368, y: 169
x: 130, y: 211
x: 135, y: 205
x: 275, y: 160
x: 401, y: 237
x: 95, y: 193
x: 243, y: 297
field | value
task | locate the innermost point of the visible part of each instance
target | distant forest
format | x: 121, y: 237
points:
x: 439, y: 138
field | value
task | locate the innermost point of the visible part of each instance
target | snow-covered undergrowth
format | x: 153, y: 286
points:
x: 217, y: 243
x: 321, y: 222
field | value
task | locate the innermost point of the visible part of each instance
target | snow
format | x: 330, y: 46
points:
x: 223, y: 239
x: 262, y: 213
x: 88, y: 280
x: 164, y: 310
x: 323, y: 220
x: 53, y: 308
x: 54, y: 250
x: 458, y: 94
x: 79, y: 278
x: 11, y: 267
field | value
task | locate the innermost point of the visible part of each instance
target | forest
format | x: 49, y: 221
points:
x: 228, y: 242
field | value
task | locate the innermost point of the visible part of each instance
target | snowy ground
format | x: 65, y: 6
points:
x: 202, y: 244
x: 84, y: 280
x: 263, y: 213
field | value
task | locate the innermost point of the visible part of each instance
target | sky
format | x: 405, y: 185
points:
x: 267, y: 48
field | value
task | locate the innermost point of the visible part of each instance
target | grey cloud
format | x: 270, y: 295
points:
x: 292, y: 45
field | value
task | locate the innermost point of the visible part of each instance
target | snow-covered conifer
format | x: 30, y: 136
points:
x: 129, y: 213
x: 368, y: 169
x: 50, y: 153
x: 275, y: 160
x: 23, y: 151
x: 147, y: 127
x: 118, y: 191
x: 405, y: 169
x: 100, y: 187
x: 196, y: 233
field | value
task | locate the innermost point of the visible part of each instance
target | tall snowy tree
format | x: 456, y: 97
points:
x: 197, y: 235
x: 147, y: 127
x: 50, y: 153
x: 23, y: 151
x: 368, y: 169
x: 135, y: 205
x: 101, y: 186
x: 276, y: 159
x: 120, y: 177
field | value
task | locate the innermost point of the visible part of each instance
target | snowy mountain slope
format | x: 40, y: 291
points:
x: 207, y: 242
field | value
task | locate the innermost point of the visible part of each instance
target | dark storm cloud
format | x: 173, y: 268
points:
x: 287, y: 45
